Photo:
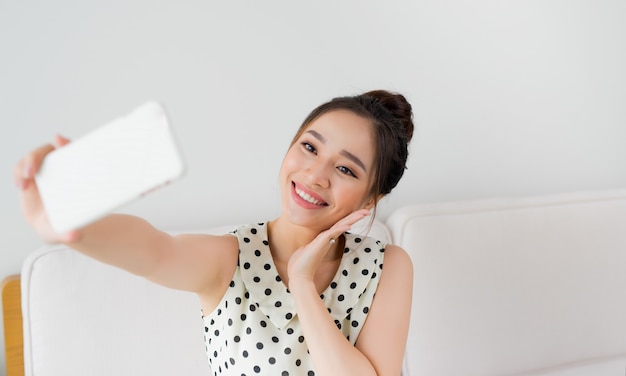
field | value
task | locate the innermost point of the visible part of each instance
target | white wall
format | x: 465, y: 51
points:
x: 511, y: 97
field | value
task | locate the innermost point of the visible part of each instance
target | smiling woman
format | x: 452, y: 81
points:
x: 299, y: 294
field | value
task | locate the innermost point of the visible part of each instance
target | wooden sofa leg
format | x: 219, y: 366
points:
x: 13, y: 337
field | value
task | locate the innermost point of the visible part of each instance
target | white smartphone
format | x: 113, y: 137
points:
x: 109, y: 167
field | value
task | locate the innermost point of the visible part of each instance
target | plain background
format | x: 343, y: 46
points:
x: 511, y: 98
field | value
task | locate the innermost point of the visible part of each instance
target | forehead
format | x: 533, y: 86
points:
x: 344, y: 125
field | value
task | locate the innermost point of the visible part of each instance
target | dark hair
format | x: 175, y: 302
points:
x: 392, y: 119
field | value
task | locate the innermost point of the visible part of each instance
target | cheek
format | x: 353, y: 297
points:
x: 290, y: 162
x: 354, y: 197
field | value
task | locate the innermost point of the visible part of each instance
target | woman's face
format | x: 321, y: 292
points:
x: 327, y: 173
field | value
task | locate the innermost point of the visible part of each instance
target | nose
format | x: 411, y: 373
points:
x: 318, y: 173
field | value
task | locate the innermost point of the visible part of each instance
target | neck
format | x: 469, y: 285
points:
x: 285, y: 238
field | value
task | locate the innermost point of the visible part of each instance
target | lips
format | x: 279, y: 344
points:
x: 307, y: 197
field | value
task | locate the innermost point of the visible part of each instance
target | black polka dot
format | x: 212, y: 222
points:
x: 366, y: 310
x: 278, y: 304
x: 253, y: 230
x: 365, y: 272
x: 288, y: 316
x: 257, y: 279
x: 259, y: 345
x: 247, y: 240
x: 267, y: 266
x: 355, y: 261
x: 333, y: 285
x: 246, y: 265
x: 287, y: 351
x: 353, y: 285
x: 257, y: 369
x: 367, y: 250
x: 355, y: 323
x: 257, y: 253
x: 272, y: 360
x: 268, y: 292
x: 341, y: 297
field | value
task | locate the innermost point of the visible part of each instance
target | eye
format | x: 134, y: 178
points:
x: 345, y: 170
x: 308, y: 147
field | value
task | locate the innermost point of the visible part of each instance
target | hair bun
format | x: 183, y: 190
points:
x: 399, y: 107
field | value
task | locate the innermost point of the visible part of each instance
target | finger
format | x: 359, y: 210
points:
x: 354, y: 217
x: 60, y: 141
x: 343, y: 225
x: 26, y: 169
x: 71, y: 236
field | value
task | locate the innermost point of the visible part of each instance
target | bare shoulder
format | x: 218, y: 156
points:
x: 398, y: 260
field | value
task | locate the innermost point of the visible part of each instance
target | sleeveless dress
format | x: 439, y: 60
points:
x: 255, y: 330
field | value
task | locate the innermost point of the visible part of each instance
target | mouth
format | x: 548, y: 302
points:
x: 308, y: 198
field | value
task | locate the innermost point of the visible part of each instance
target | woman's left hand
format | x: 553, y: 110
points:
x: 305, y: 261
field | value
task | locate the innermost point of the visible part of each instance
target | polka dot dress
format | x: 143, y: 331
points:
x: 255, y: 330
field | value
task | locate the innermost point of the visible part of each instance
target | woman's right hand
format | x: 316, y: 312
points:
x: 30, y: 200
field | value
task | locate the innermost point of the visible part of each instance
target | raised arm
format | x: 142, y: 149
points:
x: 198, y: 263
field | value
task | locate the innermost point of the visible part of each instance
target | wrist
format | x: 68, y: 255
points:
x: 301, y: 284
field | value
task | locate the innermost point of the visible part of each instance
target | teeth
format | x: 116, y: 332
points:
x: 308, y: 197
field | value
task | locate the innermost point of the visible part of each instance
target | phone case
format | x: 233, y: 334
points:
x: 109, y: 167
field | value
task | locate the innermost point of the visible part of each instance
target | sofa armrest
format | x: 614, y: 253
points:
x: 12, y: 314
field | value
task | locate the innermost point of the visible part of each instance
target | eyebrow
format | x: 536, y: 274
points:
x: 343, y: 152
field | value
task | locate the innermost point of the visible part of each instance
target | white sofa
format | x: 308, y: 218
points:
x: 514, y: 286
